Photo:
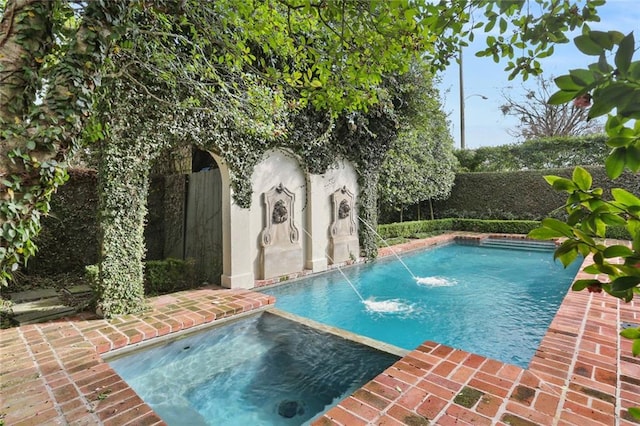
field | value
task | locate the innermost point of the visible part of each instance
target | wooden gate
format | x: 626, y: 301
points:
x: 203, y: 228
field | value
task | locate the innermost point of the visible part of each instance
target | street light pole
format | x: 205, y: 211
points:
x: 462, y: 143
x: 462, y: 99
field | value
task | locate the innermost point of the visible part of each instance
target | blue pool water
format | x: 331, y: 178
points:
x: 260, y: 370
x: 491, y: 301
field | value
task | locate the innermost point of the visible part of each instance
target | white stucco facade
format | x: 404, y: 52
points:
x: 311, y: 210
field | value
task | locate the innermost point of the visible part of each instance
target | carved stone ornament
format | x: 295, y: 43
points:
x: 278, y: 211
x: 343, y: 222
x: 344, y: 242
x: 281, y: 252
x: 344, y: 209
x: 280, y: 214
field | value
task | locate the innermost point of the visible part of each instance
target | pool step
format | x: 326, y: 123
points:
x: 515, y: 244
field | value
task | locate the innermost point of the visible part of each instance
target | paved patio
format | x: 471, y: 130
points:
x: 582, y: 374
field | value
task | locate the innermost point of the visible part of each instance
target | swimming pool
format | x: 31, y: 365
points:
x: 260, y: 370
x: 495, y: 302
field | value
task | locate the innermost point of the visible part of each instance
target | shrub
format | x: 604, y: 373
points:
x: 411, y: 229
x: 92, y: 273
x: 160, y: 276
x: 418, y: 229
x: 536, y: 154
x: 168, y: 275
x: 518, y: 195
x: 496, y: 226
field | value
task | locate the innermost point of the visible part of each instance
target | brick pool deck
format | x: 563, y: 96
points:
x: 583, y: 373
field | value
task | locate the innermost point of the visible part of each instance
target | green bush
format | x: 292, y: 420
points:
x: 160, y: 276
x: 536, y: 154
x: 416, y: 228
x: 412, y: 229
x: 518, y: 195
x: 496, y: 226
x: 618, y: 233
x: 68, y: 240
x: 92, y: 272
x: 168, y: 275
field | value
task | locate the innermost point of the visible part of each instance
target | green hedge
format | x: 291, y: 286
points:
x: 496, y: 226
x: 518, y: 195
x: 69, y: 237
x: 169, y: 275
x: 412, y: 229
x: 160, y: 276
x: 68, y: 240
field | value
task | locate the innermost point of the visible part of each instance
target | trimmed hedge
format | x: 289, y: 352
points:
x: 496, y: 226
x: 169, y: 275
x: 536, y: 154
x: 69, y: 237
x: 160, y: 276
x: 518, y: 195
x: 412, y: 229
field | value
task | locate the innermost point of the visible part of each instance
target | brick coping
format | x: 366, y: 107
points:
x: 582, y: 373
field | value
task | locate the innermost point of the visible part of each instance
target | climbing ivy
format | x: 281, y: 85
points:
x: 37, y: 138
x: 365, y: 139
x: 332, y: 55
x: 145, y: 112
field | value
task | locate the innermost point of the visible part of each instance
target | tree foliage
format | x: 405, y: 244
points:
x: 420, y: 163
x: 539, y: 119
x: 37, y: 138
x: 536, y: 154
x: 333, y: 54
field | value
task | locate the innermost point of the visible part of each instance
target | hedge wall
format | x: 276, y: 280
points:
x: 536, y: 154
x: 69, y: 237
x: 414, y: 228
x: 410, y: 229
x: 517, y: 195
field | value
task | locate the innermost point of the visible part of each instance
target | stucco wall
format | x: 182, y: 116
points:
x: 277, y: 167
x: 319, y: 216
x: 312, y: 208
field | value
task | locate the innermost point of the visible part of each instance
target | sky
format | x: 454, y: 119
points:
x: 485, y: 125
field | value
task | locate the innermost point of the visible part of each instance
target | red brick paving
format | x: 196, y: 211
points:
x: 52, y: 373
x: 582, y: 374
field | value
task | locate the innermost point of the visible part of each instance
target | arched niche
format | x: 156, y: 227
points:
x: 278, y: 210
x: 344, y: 242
